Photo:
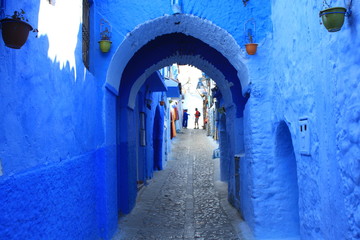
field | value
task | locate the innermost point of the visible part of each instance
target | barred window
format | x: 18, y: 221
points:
x: 86, y: 33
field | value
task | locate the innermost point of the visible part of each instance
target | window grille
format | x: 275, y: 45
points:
x: 86, y: 33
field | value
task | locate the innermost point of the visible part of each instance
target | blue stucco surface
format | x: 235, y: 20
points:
x: 56, y: 201
x: 59, y: 174
x: 312, y: 84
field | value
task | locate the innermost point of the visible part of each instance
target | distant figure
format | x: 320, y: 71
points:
x: 185, y: 119
x: 197, y: 115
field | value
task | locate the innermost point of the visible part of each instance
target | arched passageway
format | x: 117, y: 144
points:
x: 177, y: 47
x: 183, y: 40
x: 286, y: 185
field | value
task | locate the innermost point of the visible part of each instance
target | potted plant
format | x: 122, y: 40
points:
x: 105, y: 42
x: 15, y: 29
x: 333, y: 18
x: 162, y: 103
x: 251, y: 47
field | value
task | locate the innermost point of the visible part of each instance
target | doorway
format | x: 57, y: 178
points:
x: 287, y: 195
x: 158, y: 133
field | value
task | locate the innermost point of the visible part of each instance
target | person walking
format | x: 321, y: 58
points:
x: 197, y: 115
x: 185, y: 119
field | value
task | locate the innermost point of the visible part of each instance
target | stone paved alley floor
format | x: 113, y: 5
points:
x: 186, y: 200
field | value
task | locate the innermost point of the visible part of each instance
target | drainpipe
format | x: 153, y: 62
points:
x: 176, y: 6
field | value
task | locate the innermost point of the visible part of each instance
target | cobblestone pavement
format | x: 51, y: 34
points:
x: 186, y: 200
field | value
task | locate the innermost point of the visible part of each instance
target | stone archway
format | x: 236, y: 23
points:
x: 183, y: 39
x: 190, y: 25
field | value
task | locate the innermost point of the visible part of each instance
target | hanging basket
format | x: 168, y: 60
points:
x: 15, y: 32
x: 333, y: 18
x: 162, y: 103
x: 105, y: 45
x: 251, y: 48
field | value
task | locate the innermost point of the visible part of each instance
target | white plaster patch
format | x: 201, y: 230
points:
x: 199, y: 28
x: 62, y: 35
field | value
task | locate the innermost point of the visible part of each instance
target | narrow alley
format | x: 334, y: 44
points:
x: 94, y: 94
x: 186, y: 200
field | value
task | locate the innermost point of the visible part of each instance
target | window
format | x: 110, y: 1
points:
x: 86, y: 33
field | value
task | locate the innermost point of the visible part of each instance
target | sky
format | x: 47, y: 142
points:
x: 189, y: 76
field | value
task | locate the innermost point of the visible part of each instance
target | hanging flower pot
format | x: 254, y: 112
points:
x: 105, y: 45
x: 105, y: 34
x: 251, y: 48
x: 162, y: 103
x: 333, y: 18
x: 15, y: 30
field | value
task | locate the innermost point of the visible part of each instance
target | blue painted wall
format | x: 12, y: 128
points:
x: 224, y: 148
x: 300, y: 80
x: 158, y: 137
x: 57, y: 167
x: 155, y: 98
x: 132, y: 156
x: 40, y: 203
x: 126, y: 160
